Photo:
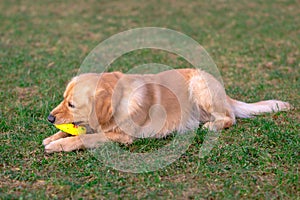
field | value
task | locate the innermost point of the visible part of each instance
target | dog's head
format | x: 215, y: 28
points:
x: 87, y: 100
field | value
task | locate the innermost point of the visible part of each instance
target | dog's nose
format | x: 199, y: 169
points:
x: 51, y: 118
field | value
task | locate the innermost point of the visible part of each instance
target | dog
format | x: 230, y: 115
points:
x: 123, y: 107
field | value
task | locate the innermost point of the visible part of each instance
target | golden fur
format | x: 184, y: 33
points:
x: 121, y: 107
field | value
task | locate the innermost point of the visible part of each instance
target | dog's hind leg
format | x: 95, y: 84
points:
x: 210, y: 97
x: 219, y: 121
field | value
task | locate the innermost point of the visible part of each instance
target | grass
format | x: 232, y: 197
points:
x: 255, y: 45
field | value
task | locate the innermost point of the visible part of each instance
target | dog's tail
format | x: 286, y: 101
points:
x: 247, y: 110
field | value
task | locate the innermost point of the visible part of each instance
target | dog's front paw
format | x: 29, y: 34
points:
x: 64, y: 144
x: 53, y: 147
x: 47, y: 141
x: 54, y: 137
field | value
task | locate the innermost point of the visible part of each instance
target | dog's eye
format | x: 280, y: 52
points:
x: 71, y: 105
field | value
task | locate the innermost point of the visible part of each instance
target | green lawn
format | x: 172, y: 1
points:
x: 255, y: 45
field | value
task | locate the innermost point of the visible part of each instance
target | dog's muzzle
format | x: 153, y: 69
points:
x: 51, y: 118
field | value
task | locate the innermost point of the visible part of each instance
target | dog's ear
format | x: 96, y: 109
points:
x: 103, y: 105
x: 101, y: 111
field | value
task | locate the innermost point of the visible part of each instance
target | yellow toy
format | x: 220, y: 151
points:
x: 71, y: 129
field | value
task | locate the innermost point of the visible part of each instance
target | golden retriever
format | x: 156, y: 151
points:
x: 123, y: 107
